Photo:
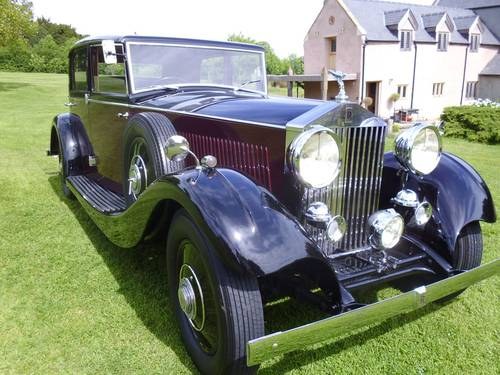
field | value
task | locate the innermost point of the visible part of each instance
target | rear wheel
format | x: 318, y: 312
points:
x: 218, y: 310
x: 63, y: 173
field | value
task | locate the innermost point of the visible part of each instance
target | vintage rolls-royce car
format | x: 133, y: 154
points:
x: 260, y: 198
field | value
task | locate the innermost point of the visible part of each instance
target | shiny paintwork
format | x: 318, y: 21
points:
x: 256, y: 224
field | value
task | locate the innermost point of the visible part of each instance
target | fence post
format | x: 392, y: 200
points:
x: 324, y: 83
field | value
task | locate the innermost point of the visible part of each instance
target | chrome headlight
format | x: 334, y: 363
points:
x: 419, y: 148
x: 386, y: 228
x: 315, y: 157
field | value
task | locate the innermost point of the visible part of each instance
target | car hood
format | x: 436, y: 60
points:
x: 274, y: 110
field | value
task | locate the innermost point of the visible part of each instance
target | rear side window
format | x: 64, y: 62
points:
x: 108, y: 78
x: 79, y: 66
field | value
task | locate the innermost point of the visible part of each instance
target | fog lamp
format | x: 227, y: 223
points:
x: 423, y: 213
x: 336, y: 228
x: 386, y: 228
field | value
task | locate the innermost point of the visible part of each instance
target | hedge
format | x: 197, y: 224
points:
x: 474, y: 123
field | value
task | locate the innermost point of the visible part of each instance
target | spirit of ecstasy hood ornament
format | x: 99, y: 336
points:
x: 339, y: 76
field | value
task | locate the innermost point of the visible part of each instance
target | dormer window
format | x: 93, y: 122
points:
x: 443, y: 40
x: 474, y: 42
x: 405, y: 40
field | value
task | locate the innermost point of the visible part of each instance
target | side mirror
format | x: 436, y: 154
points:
x: 109, y: 51
x: 177, y: 148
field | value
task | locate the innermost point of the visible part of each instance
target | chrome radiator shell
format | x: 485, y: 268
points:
x: 355, y: 192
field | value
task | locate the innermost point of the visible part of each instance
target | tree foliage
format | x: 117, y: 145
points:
x: 32, y: 45
x: 15, y: 21
x: 274, y: 65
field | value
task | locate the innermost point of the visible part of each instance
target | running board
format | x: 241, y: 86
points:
x: 102, y: 199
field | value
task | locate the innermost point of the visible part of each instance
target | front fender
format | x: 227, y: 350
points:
x: 456, y: 191
x: 249, y: 228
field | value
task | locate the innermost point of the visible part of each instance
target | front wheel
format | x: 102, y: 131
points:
x: 218, y: 310
x: 468, y: 252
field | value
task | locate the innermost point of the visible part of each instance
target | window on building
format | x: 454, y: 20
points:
x: 474, y: 42
x: 402, y: 91
x: 470, y: 91
x: 405, y: 40
x: 443, y: 40
x: 333, y: 45
x: 437, y: 88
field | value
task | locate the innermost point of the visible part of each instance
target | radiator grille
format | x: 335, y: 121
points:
x: 355, y: 193
x: 245, y: 157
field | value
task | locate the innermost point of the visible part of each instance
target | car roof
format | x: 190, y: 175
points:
x: 167, y: 40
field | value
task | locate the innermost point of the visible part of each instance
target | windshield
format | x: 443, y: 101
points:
x: 164, y: 65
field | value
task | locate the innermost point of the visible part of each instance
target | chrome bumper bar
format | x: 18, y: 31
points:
x: 266, y: 347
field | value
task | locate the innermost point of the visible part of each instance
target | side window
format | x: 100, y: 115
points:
x: 108, y: 78
x: 78, y: 75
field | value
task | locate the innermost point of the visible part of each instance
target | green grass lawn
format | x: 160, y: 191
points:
x: 71, y: 302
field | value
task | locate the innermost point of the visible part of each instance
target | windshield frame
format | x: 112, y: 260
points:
x: 132, y: 89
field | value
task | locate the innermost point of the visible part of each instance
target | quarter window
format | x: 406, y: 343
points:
x: 437, y: 88
x: 402, y: 90
x: 474, y: 42
x: 108, y: 78
x: 470, y: 91
x: 443, y: 40
x: 78, y: 76
x: 405, y: 40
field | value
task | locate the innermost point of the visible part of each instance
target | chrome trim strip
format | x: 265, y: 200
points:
x: 270, y: 346
x: 135, y: 106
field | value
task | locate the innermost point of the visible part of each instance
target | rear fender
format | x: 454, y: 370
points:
x: 69, y: 139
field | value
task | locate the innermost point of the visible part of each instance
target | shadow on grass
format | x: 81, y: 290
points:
x: 141, y: 274
x: 7, y: 86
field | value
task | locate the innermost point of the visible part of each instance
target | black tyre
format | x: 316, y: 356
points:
x: 468, y: 252
x: 469, y: 247
x: 144, y: 157
x: 218, y: 310
x: 63, y: 173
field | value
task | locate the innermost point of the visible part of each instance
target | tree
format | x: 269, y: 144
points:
x: 15, y: 21
x: 274, y: 65
x: 59, y: 32
x: 296, y: 63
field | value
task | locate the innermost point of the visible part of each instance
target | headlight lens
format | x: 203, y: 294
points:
x: 315, y: 157
x: 419, y: 148
x: 386, y: 228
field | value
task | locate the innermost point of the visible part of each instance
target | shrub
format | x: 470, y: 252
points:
x: 474, y: 123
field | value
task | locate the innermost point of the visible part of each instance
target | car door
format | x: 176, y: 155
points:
x: 108, y: 113
x: 79, y: 85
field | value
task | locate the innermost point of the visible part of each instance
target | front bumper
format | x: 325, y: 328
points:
x: 266, y: 347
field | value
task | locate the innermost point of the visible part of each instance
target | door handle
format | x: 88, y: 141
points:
x: 70, y: 104
x: 123, y: 115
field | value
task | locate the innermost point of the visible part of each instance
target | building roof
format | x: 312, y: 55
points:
x: 493, y: 67
x: 464, y: 23
x: 468, y: 4
x: 371, y: 16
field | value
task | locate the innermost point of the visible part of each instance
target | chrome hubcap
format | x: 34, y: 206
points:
x: 190, y: 297
x: 137, y: 176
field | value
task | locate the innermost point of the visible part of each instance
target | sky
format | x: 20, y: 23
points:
x: 282, y: 23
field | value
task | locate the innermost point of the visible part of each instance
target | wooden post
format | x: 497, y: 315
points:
x: 324, y: 83
x: 290, y: 83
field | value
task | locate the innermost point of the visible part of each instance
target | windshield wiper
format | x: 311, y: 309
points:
x: 240, y: 87
x: 163, y: 87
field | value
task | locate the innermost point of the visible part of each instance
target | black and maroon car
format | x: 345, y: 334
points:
x: 259, y: 197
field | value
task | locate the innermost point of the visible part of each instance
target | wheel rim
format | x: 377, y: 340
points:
x: 196, y: 298
x: 138, y: 169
